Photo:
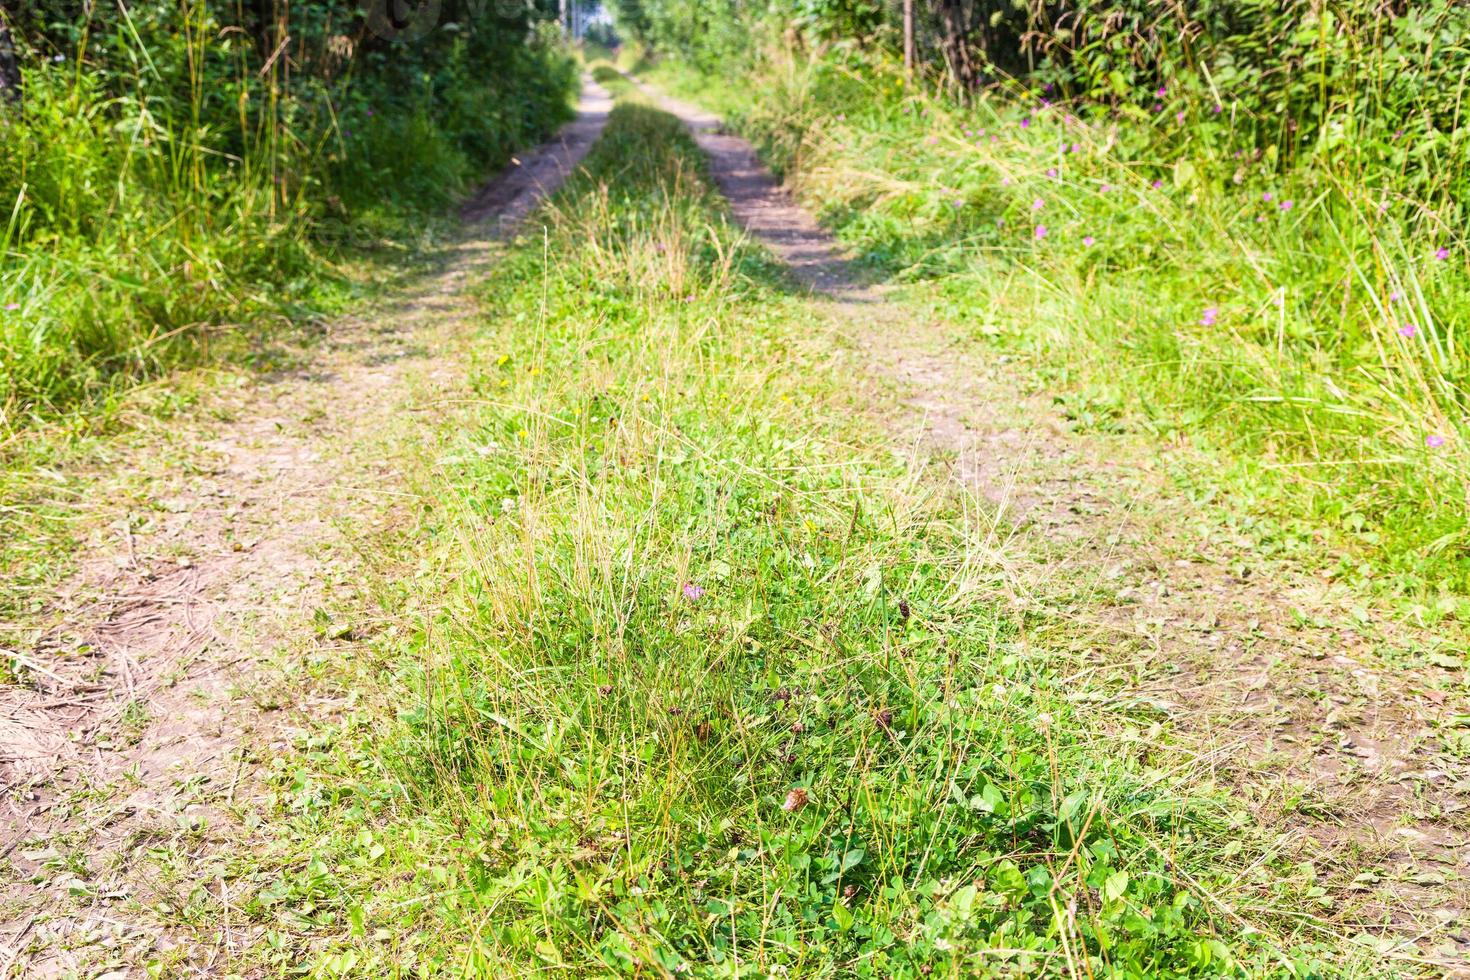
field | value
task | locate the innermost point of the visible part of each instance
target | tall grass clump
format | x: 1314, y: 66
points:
x: 1173, y: 258
x: 704, y: 680
x: 180, y: 178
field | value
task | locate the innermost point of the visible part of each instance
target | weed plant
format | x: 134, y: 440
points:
x: 171, y: 191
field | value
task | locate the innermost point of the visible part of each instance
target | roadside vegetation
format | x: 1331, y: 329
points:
x: 1237, y: 231
x: 202, y: 185
x: 184, y: 180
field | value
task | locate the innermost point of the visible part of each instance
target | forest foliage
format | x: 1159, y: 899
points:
x: 1363, y: 84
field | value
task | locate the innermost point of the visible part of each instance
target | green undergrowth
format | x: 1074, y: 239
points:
x: 168, y: 200
x: 686, y: 671
x: 1299, y: 328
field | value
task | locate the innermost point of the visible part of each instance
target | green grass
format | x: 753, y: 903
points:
x: 686, y: 670
x: 1171, y: 295
x: 192, y: 210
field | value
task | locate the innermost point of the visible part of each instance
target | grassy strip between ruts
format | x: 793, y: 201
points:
x: 702, y: 676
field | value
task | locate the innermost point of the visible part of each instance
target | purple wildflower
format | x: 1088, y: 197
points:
x: 1408, y: 330
x: 1179, y: 116
x: 1040, y: 231
x: 1037, y: 204
x: 1158, y: 107
x: 1266, y: 196
x: 1026, y: 122
x: 693, y: 592
x: 1219, y: 108
x: 1434, y: 441
x: 1442, y: 254
x: 1088, y: 240
x: 1051, y: 172
x: 1288, y: 204
x: 1105, y: 188
x: 11, y: 307
x: 1161, y: 92
x: 1158, y: 185
x: 1208, y: 319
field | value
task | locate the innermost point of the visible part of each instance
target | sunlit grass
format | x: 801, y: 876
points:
x: 700, y: 676
x: 1301, y: 322
x: 145, y: 226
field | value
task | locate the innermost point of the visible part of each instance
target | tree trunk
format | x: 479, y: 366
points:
x: 954, y: 41
x: 908, y: 38
x: 10, y: 90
